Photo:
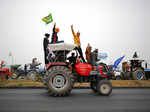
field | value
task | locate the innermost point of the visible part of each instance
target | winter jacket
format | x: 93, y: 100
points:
x: 45, y: 43
x: 76, y: 38
x: 54, y: 36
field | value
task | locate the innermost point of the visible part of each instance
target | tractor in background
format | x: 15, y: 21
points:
x: 8, y: 71
x: 135, y: 70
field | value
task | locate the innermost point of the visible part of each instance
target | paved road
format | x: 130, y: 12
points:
x: 81, y: 100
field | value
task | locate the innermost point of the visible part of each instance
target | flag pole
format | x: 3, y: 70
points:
x: 12, y: 59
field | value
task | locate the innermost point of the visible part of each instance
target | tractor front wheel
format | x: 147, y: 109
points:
x: 104, y: 87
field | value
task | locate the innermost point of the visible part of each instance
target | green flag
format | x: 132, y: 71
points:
x: 48, y: 19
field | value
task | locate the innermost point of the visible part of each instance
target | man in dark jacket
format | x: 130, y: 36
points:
x: 54, y: 34
x: 45, y: 45
x: 72, y: 60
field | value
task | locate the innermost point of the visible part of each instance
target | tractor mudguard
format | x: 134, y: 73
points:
x: 54, y: 64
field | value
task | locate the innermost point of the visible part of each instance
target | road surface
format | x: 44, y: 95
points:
x: 80, y: 100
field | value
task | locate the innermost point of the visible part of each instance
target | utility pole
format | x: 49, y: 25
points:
x: 11, y: 58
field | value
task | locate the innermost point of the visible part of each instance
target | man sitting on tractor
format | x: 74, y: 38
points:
x: 88, y: 53
x: 72, y: 60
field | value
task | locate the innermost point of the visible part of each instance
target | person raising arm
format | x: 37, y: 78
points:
x: 77, y: 42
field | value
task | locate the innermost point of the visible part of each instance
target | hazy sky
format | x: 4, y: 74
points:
x: 117, y: 27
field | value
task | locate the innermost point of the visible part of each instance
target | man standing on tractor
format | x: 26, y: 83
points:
x: 45, y: 45
x: 77, y: 42
x: 54, y: 34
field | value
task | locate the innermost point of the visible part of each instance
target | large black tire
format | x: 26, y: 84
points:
x: 59, y: 81
x: 138, y: 74
x: 104, y: 87
x: 93, y: 86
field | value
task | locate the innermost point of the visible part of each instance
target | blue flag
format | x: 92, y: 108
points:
x: 117, y: 62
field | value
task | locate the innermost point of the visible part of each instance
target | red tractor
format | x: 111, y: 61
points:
x: 8, y: 71
x: 61, y: 75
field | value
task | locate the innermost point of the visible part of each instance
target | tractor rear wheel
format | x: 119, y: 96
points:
x: 138, y: 75
x: 104, y: 87
x: 59, y: 81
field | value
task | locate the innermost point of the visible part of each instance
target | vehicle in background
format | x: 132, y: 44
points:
x: 116, y: 74
x: 29, y: 72
x: 134, y: 69
x: 8, y: 71
x: 61, y: 75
